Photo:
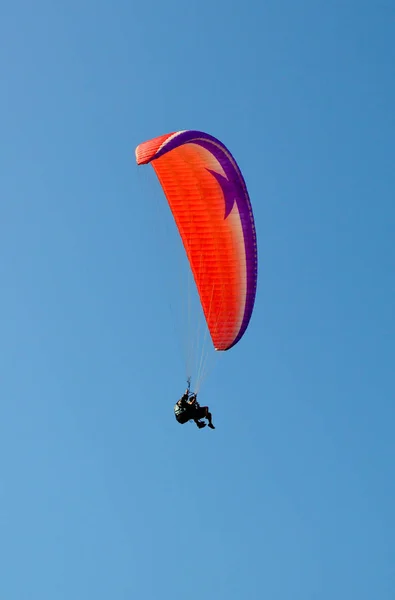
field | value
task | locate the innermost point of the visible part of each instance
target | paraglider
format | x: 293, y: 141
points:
x: 208, y: 198
x: 188, y: 409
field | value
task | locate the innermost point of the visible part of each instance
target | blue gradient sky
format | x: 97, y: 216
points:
x: 102, y: 494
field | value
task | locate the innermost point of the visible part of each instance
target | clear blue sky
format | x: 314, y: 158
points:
x: 102, y: 494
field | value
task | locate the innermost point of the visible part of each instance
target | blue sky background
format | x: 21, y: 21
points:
x: 102, y: 494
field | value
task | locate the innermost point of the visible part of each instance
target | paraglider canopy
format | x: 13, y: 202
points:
x: 210, y: 204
